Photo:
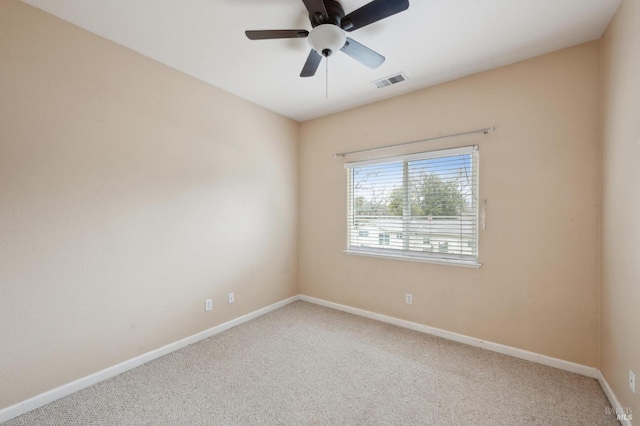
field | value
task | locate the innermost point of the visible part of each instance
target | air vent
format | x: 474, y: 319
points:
x: 388, y: 81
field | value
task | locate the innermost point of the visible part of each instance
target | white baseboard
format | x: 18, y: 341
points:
x: 69, y: 388
x: 495, y: 347
x: 612, y: 398
x: 461, y: 338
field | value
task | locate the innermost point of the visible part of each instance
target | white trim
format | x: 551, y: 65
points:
x: 414, y: 157
x: 47, y: 397
x: 611, y: 396
x: 461, y: 338
x: 424, y: 259
x: 84, y: 382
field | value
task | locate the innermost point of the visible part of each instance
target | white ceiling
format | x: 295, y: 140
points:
x: 432, y: 42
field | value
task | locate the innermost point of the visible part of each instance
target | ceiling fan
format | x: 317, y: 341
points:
x: 330, y: 25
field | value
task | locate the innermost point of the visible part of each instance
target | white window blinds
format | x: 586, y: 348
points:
x: 420, y: 206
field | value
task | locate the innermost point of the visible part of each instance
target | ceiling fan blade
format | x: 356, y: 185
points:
x: 317, y: 10
x: 272, y: 34
x: 373, y: 12
x: 362, y: 54
x: 310, y: 67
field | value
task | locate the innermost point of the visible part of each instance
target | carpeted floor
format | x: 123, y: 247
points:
x: 308, y: 365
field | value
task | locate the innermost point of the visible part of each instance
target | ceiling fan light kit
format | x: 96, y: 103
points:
x: 326, y: 39
x: 330, y: 25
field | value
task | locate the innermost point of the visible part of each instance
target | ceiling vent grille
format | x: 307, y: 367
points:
x: 388, y: 81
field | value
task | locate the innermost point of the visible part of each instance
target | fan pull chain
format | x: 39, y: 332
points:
x: 327, y: 77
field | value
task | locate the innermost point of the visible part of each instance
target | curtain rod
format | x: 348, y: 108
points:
x: 473, y: 132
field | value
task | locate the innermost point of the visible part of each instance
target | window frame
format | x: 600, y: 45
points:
x: 433, y: 256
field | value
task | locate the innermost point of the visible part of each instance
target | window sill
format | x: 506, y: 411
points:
x: 451, y: 262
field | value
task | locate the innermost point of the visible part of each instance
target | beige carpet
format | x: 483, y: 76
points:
x: 308, y: 365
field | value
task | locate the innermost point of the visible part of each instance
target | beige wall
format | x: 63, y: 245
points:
x: 538, y: 286
x: 120, y: 180
x: 620, y: 294
x: 121, y: 184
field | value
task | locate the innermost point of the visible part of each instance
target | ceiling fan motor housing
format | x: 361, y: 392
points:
x: 335, y: 14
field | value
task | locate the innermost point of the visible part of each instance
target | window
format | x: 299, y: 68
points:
x: 428, y: 201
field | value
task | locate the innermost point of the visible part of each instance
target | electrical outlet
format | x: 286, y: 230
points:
x: 632, y: 381
x: 408, y: 299
x: 232, y: 297
x: 208, y: 305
